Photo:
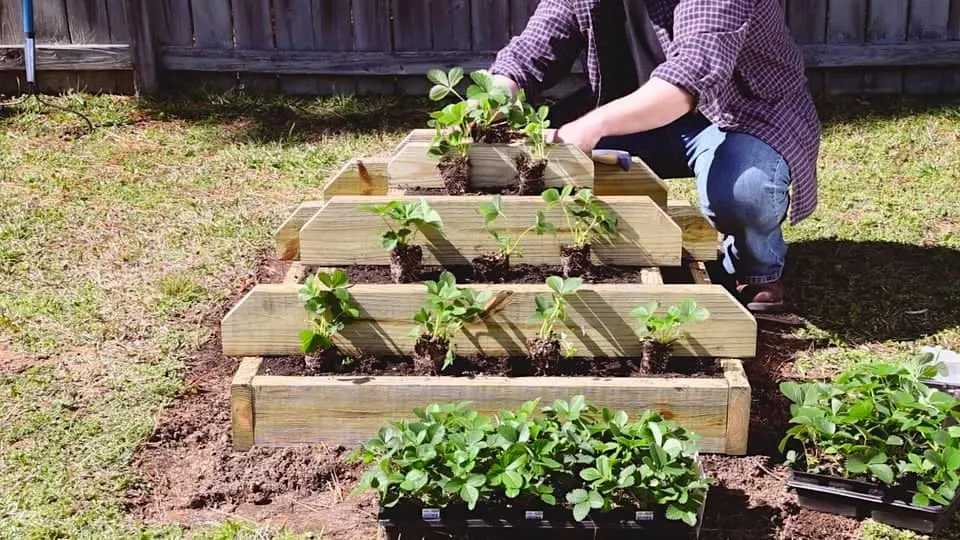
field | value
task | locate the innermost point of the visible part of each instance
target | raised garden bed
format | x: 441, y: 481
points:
x: 397, y: 239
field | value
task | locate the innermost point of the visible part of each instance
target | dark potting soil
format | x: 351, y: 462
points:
x: 518, y: 273
x: 333, y: 363
x: 404, y: 261
x: 455, y: 173
x: 491, y: 268
x: 574, y: 261
x: 529, y: 176
x: 495, y: 134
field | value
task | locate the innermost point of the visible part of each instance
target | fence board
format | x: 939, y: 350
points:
x: 451, y: 25
x: 807, y: 19
x: 886, y: 23
x: 117, y: 15
x: 11, y: 23
x: 174, y: 23
x: 951, y: 82
x: 371, y: 20
x: 213, y: 29
x: 51, y: 21
x: 253, y: 30
x: 491, y: 24
x: 520, y: 12
x: 333, y: 32
x: 928, y: 22
x: 412, y: 32
x: 294, y: 21
x: 88, y: 21
x: 845, y: 24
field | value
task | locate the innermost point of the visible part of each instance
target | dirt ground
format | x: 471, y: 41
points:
x: 191, y: 475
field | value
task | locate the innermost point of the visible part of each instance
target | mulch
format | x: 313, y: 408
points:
x: 190, y: 474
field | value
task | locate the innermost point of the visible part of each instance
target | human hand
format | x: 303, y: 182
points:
x: 584, y: 133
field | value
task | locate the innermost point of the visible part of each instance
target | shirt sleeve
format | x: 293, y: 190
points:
x: 545, y: 50
x: 708, y: 37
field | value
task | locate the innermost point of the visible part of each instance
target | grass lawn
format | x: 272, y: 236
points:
x: 118, y: 248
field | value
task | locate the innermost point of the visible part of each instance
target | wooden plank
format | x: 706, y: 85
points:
x: 451, y: 25
x: 174, y: 23
x: 371, y: 26
x: 738, y: 411
x: 698, y: 271
x: 928, y: 23
x: 11, y: 23
x: 243, y: 422
x: 846, y: 22
x: 701, y: 241
x: 490, y: 24
x: 294, y: 22
x: 410, y: 63
x: 412, y: 31
x: 253, y: 29
x: 268, y: 320
x: 349, y: 410
x: 341, y: 234
x: 639, y: 180
x: 213, y: 34
x: 808, y: 24
x: 88, y: 21
x: 51, y: 22
x: 70, y: 57
x: 492, y: 165
x: 287, y: 236
x: 651, y: 276
x: 142, y: 45
x: 887, y: 23
x: 520, y: 13
x: 361, y: 176
x: 117, y: 15
x: 951, y: 84
x: 333, y: 32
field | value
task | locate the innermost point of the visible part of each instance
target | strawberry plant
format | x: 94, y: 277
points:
x: 573, y: 455
x: 444, y: 313
x: 404, y: 219
x: 549, y: 344
x: 494, y: 266
x: 326, y: 297
x: 661, y: 332
x: 587, y: 221
x: 531, y: 166
x: 878, y: 422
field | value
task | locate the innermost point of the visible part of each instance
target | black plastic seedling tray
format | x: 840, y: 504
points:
x: 501, y: 523
x: 861, y: 500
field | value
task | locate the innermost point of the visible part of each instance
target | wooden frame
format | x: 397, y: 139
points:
x: 340, y: 233
x: 289, y: 411
x: 269, y: 318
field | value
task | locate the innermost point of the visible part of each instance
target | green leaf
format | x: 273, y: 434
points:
x: 438, y: 76
x: 883, y: 472
x: 793, y: 391
x: 577, y: 496
x: 581, y: 510
x: 590, y: 474
x: 550, y: 195
x: 856, y: 465
x: 555, y: 283
x: 676, y: 514
x: 894, y: 440
x: 919, y: 499
x: 470, y: 495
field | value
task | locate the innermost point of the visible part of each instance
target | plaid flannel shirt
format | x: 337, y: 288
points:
x: 736, y: 57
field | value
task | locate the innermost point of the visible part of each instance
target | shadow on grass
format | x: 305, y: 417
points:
x: 874, y: 291
x: 265, y: 118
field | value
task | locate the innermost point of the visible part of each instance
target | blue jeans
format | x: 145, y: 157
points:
x: 743, y: 186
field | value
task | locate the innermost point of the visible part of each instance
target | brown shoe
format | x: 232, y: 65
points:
x: 762, y: 297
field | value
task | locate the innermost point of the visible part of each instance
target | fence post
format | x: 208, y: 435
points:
x: 142, y: 47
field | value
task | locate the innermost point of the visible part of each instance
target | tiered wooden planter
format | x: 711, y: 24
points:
x: 670, y: 238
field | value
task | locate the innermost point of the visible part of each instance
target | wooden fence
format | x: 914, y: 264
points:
x: 323, y: 46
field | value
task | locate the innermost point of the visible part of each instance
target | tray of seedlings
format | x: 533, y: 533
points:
x: 567, y: 470
x: 876, y: 442
x: 415, y: 286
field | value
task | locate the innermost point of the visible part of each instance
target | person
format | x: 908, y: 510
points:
x: 713, y: 89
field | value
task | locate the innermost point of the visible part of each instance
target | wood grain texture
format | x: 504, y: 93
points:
x: 11, y: 23
x: 738, y: 408
x: 146, y: 81
x: 886, y: 23
x: 951, y: 83
x: 845, y: 25
x: 51, y: 22
x: 520, y: 12
x: 253, y: 29
x: 349, y: 410
x: 451, y: 25
x: 287, y: 237
x: 491, y: 24
x: 808, y: 24
x: 361, y: 176
x: 294, y: 31
x: 89, y: 22
x: 928, y: 23
x: 213, y: 28
x: 117, y: 16
x: 371, y: 28
x: 267, y: 321
x: 242, y: 418
x: 174, y: 23
x: 492, y: 165
x: 70, y: 57
x: 639, y: 180
x: 341, y: 234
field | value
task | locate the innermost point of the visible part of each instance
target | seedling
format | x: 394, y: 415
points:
x: 443, y: 315
x: 550, y: 344
x: 661, y: 332
x: 530, y: 167
x: 878, y: 422
x: 493, y: 267
x: 404, y: 219
x: 588, y: 223
x: 326, y: 297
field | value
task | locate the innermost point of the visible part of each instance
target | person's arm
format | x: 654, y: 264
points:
x: 709, y: 35
x: 543, y: 53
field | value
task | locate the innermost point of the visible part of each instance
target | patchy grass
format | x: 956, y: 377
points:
x: 118, y: 246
